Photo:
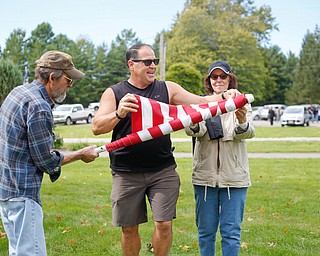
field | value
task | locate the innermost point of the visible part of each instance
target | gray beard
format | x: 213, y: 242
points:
x: 59, y: 96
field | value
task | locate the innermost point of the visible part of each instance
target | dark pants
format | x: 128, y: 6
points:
x: 271, y: 120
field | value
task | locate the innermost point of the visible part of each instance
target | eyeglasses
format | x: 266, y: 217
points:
x: 148, y: 62
x: 222, y: 76
x: 70, y: 81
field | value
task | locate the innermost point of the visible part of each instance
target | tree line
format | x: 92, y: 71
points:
x: 205, y: 31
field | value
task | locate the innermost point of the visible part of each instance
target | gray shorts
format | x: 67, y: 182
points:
x: 129, y: 191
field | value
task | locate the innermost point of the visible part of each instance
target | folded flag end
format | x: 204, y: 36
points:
x: 250, y: 98
x: 100, y: 149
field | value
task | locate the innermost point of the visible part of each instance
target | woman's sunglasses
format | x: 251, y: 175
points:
x: 215, y: 77
x: 148, y: 62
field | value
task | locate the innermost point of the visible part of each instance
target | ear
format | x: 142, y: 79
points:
x: 50, y: 85
x: 130, y: 64
x: 50, y: 80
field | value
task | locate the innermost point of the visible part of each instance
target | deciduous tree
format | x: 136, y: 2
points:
x: 207, y: 31
x: 187, y: 76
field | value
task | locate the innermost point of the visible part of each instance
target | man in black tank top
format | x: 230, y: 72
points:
x: 147, y: 168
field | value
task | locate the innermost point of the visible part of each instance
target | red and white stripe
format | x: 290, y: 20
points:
x: 155, y: 118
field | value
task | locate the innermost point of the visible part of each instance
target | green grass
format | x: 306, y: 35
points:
x: 77, y: 131
x: 84, y: 131
x: 264, y: 146
x: 283, y: 146
x: 283, y: 132
x: 281, y: 214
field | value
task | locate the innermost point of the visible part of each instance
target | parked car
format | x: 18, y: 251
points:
x: 295, y: 115
x: 256, y: 112
x: 276, y: 108
x: 94, y: 105
x: 71, y: 113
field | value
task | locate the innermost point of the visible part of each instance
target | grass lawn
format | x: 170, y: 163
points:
x: 84, y: 131
x: 281, y: 215
x: 264, y: 146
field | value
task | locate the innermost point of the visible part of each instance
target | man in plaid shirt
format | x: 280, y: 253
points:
x: 26, y: 139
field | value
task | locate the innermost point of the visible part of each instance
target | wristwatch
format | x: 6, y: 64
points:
x: 222, y: 95
x: 117, y: 115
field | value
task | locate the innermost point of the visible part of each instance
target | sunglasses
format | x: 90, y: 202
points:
x: 70, y: 81
x: 215, y: 77
x: 148, y: 62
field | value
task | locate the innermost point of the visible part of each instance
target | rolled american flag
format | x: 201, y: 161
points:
x: 155, y: 118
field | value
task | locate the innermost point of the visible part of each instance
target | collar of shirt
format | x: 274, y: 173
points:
x: 43, y: 92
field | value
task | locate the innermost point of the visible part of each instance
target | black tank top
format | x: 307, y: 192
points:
x: 148, y: 156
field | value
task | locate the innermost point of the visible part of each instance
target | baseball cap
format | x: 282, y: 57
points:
x: 59, y: 60
x: 221, y: 65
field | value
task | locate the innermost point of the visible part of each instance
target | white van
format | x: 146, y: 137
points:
x: 276, y: 107
x: 295, y: 115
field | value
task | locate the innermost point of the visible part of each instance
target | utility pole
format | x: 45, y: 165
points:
x: 162, y: 57
x: 26, y: 74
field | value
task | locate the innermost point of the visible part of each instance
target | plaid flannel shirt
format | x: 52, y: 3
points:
x: 26, y: 139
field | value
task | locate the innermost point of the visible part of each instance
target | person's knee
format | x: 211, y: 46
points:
x: 130, y: 231
x: 163, y: 226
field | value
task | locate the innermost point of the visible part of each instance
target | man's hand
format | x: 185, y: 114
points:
x: 127, y: 104
x: 232, y: 93
x: 88, y: 154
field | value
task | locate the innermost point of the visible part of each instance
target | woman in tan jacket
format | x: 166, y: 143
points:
x: 220, y: 168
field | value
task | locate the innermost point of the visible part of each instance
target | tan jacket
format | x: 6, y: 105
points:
x: 231, y: 150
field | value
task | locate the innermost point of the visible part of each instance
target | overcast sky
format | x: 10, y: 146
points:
x: 102, y: 20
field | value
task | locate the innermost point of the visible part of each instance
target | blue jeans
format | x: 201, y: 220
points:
x: 214, y: 208
x: 23, y: 223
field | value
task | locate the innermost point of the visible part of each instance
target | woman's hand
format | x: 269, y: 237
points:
x: 241, y: 114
